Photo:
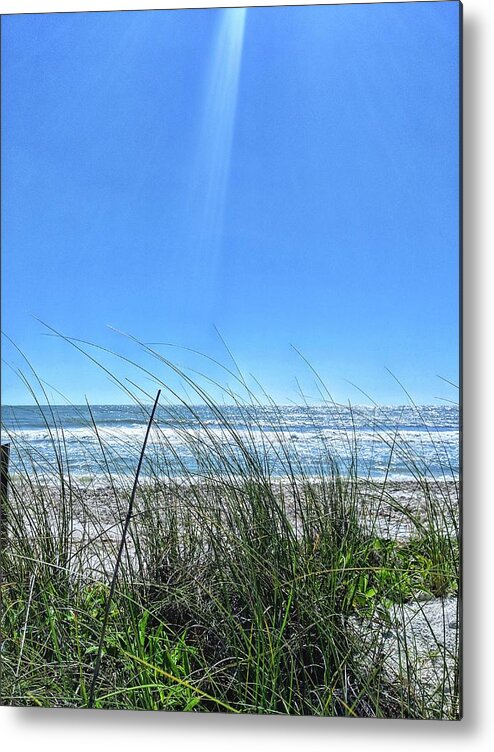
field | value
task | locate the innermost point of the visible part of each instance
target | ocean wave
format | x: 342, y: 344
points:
x: 385, y: 440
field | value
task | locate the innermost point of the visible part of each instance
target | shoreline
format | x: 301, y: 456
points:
x: 392, y: 509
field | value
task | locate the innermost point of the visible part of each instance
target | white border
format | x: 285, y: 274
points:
x: 66, y: 730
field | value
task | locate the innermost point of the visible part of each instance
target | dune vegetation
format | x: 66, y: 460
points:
x: 226, y: 588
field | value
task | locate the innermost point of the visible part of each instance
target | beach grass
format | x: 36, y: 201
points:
x: 226, y: 588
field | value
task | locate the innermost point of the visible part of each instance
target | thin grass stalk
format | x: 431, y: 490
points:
x: 118, y: 559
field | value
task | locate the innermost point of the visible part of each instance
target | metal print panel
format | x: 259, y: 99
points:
x: 230, y: 395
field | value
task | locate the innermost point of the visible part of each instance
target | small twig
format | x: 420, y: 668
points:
x: 119, y: 558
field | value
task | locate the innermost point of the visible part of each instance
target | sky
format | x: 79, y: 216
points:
x: 277, y: 183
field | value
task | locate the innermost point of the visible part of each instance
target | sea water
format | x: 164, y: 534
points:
x: 392, y: 441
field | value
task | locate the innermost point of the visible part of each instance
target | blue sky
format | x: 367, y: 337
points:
x: 287, y: 176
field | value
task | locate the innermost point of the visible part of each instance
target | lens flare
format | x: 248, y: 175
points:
x: 212, y: 170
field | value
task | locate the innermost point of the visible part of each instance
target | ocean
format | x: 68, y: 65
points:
x: 393, y: 441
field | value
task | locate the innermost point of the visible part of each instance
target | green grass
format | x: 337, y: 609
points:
x: 230, y: 592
